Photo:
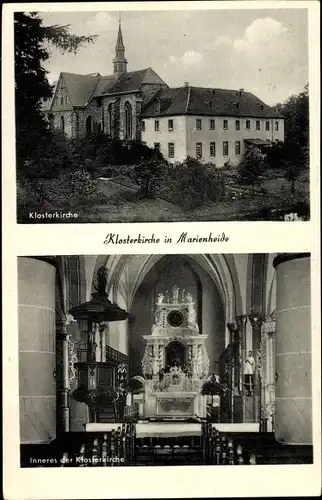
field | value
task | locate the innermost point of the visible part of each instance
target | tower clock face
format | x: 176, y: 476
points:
x: 175, y: 318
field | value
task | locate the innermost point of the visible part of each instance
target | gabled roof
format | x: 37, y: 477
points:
x: 209, y: 102
x: 80, y: 87
x: 131, y: 81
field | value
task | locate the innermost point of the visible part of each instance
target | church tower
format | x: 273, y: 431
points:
x: 119, y: 61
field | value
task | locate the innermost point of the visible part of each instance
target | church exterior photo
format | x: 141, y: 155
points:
x: 165, y: 359
x: 211, y: 124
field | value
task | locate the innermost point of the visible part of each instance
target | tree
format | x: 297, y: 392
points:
x: 252, y: 167
x: 31, y: 83
x: 148, y: 174
x: 296, y: 113
x: 294, y: 162
x: 290, y: 157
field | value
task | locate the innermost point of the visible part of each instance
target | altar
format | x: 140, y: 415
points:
x: 175, y: 362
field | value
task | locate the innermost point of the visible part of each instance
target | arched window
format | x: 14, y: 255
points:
x: 128, y: 122
x: 109, y: 120
x: 62, y: 124
x: 89, y: 124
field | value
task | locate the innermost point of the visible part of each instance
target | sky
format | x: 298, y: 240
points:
x: 261, y: 51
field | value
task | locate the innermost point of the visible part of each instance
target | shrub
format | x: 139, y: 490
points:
x: 251, y: 167
x: 148, y: 175
x: 192, y: 183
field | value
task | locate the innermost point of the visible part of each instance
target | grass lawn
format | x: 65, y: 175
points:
x: 122, y: 204
x: 119, y: 202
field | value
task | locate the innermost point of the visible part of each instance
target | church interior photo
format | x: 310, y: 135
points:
x: 164, y: 360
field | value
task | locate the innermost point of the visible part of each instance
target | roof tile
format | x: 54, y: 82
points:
x: 206, y: 101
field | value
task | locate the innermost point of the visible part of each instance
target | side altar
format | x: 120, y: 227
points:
x: 175, y: 362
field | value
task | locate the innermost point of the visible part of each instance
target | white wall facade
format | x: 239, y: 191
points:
x: 185, y: 136
x: 178, y: 136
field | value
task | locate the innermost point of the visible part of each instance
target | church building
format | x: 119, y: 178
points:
x: 213, y: 125
x: 165, y: 359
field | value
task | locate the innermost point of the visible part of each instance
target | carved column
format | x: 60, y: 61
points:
x: 241, y: 322
x: 268, y: 383
x: 256, y: 321
x: 63, y: 378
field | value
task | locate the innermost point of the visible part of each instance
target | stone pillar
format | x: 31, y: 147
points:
x: 241, y: 324
x: 63, y: 376
x: 256, y: 321
x: 37, y: 350
x: 293, y: 399
x: 268, y: 369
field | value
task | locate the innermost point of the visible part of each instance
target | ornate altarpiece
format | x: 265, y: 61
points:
x: 175, y: 362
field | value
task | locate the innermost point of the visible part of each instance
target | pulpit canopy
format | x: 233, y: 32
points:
x: 99, y: 308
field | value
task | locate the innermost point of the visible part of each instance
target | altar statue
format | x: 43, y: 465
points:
x: 189, y: 297
x: 160, y: 298
x: 175, y: 294
x: 249, y: 367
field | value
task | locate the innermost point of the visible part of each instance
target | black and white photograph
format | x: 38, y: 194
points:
x: 165, y: 360
x: 162, y: 115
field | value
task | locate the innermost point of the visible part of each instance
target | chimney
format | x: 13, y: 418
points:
x: 241, y: 91
x: 186, y: 84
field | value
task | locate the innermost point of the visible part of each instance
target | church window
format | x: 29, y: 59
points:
x: 237, y: 148
x: 170, y: 125
x: 198, y: 124
x: 171, y: 150
x: 225, y: 124
x: 109, y: 118
x: 225, y: 148
x: 89, y: 124
x: 62, y: 124
x: 157, y: 106
x: 212, y: 149
x: 247, y: 124
x: 237, y: 124
x: 212, y: 125
x: 62, y: 100
x: 77, y: 123
x: 128, y: 121
x: 258, y: 125
x: 267, y: 126
x: 156, y: 125
x: 276, y: 126
x: 143, y: 126
x: 199, y: 150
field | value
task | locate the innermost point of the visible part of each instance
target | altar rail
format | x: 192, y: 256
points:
x: 122, y: 447
x: 111, y: 449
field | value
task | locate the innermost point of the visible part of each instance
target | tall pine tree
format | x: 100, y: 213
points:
x: 31, y: 83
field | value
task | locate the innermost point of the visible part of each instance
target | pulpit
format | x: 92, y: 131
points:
x: 175, y: 362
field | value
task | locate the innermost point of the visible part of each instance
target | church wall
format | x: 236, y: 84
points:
x: 131, y: 99
x: 37, y: 351
x: 96, y: 112
x: 68, y: 121
x: 213, y: 322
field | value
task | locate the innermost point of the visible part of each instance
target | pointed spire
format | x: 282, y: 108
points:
x: 119, y: 42
x: 119, y: 61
